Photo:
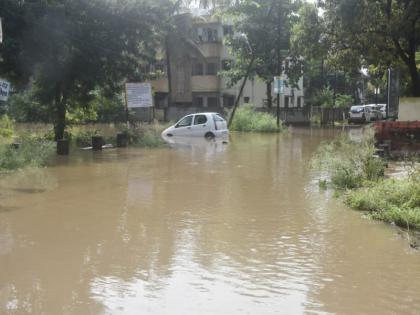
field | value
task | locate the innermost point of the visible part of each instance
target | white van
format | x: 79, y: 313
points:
x: 360, y: 113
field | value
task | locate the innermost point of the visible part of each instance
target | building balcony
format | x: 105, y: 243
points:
x: 211, y: 49
x: 205, y: 83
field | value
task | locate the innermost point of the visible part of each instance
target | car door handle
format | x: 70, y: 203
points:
x: 188, y: 127
x: 204, y: 125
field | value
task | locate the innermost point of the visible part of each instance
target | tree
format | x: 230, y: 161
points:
x: 384, y: 33
x: 69, y: 48
x: 265, y: 33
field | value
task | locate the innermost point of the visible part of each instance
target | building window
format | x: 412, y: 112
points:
x: 198, y: 101
x: 211, y: 101
x: 299, y: 101
x: 228, y: 101
x: 211, y: 35
x: 227, y: 30
x: 211, y: 68
x: 226, y: 65
x: 197, y: 69
x: 246, y: 99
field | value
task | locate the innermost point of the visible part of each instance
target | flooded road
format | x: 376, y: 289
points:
x: 198, y: 228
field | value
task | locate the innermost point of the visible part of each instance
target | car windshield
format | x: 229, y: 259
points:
x: 184, y: 122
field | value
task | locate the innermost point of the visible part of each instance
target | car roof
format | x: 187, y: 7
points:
x: 204, y: 113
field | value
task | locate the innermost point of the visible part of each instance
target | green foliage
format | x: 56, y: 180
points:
x: 324, y: 97
x: 391, y: 200
x: 23, y: 107
x: 70, y: 48
x: 148, y: 136
x: 33, y: 151
x: 265, y: 32
x: 381, y: 33
x: 6, y: 128
x: 344, y: 101
x: 348, y: 163
x: 248, y: 119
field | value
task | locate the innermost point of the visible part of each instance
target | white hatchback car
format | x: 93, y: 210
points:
x: 207, y: 125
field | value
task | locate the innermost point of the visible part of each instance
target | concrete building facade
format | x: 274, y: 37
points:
x: 195, y: 83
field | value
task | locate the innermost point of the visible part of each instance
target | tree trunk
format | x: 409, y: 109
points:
x: 60, y: 106
x: 168, y: 70
x: 414, y: 75
x: 248, y: 71
x: 269, y: 96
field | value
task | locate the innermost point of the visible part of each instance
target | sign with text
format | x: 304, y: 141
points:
x: 278, y: 85
x: 4, y: 90
x: 139, y: 95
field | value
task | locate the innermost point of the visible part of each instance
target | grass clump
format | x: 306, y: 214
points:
x: 349, y: 163
x: 32, y: 151
x: 6, y: 129
x: 145, y: 136
x: 390, y: 200
x: 248, y: 119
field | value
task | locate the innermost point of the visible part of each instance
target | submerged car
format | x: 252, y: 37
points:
x: 207, y: 125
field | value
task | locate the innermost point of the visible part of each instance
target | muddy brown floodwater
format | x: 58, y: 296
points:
x: 198, y: 228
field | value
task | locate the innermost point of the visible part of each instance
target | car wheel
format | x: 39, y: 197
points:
x: 209, y: 135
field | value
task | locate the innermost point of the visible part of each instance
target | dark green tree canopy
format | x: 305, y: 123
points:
x: 67, y: 48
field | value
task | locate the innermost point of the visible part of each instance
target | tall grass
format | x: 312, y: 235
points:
x: 32, y: 151
x: 145, y: 135
x: 349, y: 163
x: 391, y: 200
x: 351, y: 166
x: 248, y: 119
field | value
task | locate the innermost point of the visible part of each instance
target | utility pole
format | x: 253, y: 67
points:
x: 279, y: 66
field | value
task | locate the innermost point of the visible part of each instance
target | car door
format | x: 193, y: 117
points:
x: 201, y: 125
x: 183, y: 126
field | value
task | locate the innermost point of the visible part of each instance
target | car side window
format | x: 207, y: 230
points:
x: 200, y: 119
x: 185, y: 122
x: 217, y: 117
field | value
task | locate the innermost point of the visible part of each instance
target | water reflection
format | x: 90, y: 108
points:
x: 197, y: 228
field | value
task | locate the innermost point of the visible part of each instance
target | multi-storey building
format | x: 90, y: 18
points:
x: 195, y: 84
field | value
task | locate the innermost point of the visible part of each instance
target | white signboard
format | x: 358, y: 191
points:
x: 1, y: 33
x: 139, y: 95
x: 4, y: 90
x: 278, y: 85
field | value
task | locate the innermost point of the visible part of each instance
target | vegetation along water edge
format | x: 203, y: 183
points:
x: 350, y: 168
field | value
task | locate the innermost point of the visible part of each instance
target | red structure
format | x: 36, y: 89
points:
x: 398, y: 135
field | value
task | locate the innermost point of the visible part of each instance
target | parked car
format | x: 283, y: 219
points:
x: 375, y: 111
x: 360, y: 113
x: 207, y: 125
x: 382, y: 108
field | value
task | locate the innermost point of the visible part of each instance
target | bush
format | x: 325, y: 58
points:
x: 391, y: 200
x: 145, y: 135
x: 6, y: 128
x: 247, y: 119
x: 349, y: 163
x: 31, y: 152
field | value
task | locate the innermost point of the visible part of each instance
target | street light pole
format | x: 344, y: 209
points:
x: 376, y: 91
